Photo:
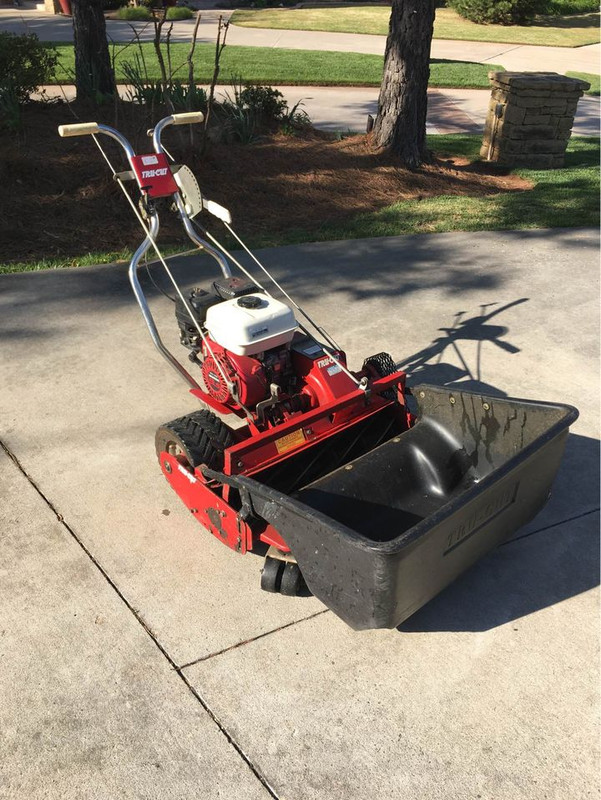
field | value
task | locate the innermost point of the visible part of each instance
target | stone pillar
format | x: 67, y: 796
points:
x: 51, y: 6
x: 530, y: 118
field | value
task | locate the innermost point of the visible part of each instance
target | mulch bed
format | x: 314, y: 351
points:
x: 59, y: 200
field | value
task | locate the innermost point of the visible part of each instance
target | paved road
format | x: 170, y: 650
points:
x: 139, y: 656
x: 511, y: 56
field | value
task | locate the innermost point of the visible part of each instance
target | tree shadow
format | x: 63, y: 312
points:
x: 427, y: 365
x: 578, y: 21
x: 392, y: 268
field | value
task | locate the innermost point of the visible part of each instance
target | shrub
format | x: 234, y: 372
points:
x: 10, y: 109
x: 133, y: 13
x: 186, y: 97
x: 147, y: 91
x: 501, y: 12
x: 112, y: 5
x: 25, y: 64
x: 179, y: 12
x: 254, y: 110
x: 263, y: 101
x: 295, y: 120
x: 566, y: 7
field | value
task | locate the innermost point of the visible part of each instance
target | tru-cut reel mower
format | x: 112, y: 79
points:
x: 371, y: 495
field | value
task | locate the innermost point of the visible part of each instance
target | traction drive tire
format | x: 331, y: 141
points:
x: 201, y: 436
x: 382, y: 364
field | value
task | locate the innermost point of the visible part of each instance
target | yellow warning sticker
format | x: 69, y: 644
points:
x: 290, y: 441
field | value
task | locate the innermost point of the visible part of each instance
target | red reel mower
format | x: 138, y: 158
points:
x: 373, y: 496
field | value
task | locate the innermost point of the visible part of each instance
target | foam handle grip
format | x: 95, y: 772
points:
x: 78, y: 129
x: 188, y: 118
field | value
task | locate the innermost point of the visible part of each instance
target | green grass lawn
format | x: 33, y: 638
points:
x: 572, y: 31
x: 567, y: 197
x: 594, y: 80
x: 279, y: 66
x: 89, y: 259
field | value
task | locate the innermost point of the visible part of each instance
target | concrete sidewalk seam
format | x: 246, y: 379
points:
x: 256, y: 772
x: 92, y: 558
x: 553, y: 525
x: 253, y: 639
x: 247, y: 760
x: 501, y: 53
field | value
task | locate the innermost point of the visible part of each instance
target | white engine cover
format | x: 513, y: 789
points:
x: 247, y: 331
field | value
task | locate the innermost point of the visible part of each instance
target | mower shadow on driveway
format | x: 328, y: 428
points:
x: 546, y: 563
x: 427, y: 365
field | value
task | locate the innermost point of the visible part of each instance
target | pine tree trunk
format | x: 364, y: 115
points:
x: 93, y: 74
x: 401, y: 122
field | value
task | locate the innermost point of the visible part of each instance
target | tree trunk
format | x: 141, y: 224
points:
x: 94, y: 77
x: 401, y: 121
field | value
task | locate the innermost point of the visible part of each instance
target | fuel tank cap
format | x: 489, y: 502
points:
x: 250, y: 301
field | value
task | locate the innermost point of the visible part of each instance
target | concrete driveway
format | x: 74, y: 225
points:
x: 139, y: 656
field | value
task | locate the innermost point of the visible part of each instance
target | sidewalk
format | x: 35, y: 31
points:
x: 344, y: 108
x: 449, y: 110
x: 139, y: 656
x: 511, y: 56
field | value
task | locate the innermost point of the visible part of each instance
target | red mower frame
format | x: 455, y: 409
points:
x: 339, y: 399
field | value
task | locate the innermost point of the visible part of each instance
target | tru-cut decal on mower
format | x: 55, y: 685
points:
x: 153, y: 175
x: 328, y: 364
x: 188, y: 475
x: 483, y: 514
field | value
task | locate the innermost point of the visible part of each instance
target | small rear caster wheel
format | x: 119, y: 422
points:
x: 291, y: 580
x: 271, y: 574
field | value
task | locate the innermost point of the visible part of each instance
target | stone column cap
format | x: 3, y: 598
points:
x: 544, y: 81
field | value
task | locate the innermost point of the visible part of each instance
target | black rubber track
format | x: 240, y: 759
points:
x: 201, y: 435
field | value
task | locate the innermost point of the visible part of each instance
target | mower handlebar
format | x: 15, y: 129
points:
x: 78, y: 129
x: 187, y: 118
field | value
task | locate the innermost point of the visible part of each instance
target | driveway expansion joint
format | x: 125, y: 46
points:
x: 253, y: 639
x: 178, y: 670
x: 553, y: 525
